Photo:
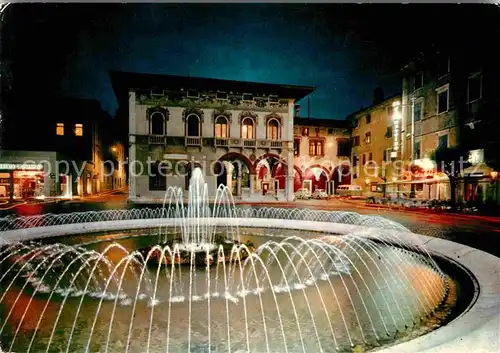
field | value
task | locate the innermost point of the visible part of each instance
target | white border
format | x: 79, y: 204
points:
x: 477, y: 330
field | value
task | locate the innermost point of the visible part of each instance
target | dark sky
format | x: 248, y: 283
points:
x: 344, y: 50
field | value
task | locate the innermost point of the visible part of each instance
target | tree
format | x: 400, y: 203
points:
x: 451, y: 161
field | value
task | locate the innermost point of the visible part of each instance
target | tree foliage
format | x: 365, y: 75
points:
x: 450, y: 160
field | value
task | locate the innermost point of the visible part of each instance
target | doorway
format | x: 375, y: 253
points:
x: 307, y: 184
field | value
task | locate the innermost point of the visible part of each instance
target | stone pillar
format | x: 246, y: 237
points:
x: 252, y: 183
x: 132, y: 148
x: 238, y: 187
x: 11, y: 186
x: 238, y: 183
x: 288, y: 133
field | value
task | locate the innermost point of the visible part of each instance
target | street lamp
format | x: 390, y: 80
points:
x: 113, y: 149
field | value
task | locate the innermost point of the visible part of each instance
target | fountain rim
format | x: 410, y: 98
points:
x: 476, y: 328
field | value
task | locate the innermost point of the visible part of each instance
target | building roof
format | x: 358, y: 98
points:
x: 333, y: 123
x: 373, y: 106
x: 123, y: 81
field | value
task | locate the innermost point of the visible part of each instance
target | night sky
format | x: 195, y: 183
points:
x: 344, y: 50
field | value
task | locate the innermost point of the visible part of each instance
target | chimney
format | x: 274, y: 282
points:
x: 378, y: 95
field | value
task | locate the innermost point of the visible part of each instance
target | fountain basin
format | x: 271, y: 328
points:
x: 444, y: 338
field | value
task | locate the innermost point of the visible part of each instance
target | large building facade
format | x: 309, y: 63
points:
x: 240, y: 133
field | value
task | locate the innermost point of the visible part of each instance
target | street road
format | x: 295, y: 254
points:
x: 482, y: 232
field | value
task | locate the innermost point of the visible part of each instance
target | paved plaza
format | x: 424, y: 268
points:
x: 481, y: 232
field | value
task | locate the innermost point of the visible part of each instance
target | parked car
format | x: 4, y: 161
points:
x: 303, y: 194
x: 320, y: 194
x: 351, y: 190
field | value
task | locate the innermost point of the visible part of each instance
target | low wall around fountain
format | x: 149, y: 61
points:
x: 476, y: 330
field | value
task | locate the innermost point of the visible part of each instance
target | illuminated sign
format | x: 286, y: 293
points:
x: 476, y: 157
x: 396, y: 117
x: 24, y: 166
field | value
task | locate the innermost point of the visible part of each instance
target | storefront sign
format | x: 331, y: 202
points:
x: 476, y: 157
x: 24, y: 166
x: 175, y: 156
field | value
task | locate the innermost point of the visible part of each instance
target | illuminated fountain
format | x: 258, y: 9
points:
x: 190, y: 279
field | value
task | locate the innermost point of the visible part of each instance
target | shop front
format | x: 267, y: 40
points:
x: 22, y: 181
x: 479, y: 184
x: 26, y: 175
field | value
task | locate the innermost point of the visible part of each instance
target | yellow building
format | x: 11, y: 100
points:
x: 374, y: 138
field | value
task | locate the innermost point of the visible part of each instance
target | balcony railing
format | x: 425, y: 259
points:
x: 276, y: 144
x: 217, y: 141
x: 249, y: 143
x: 222, y: 142
x: 157, y: 139
x: 193, y: 141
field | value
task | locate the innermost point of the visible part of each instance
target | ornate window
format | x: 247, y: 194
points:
x: 273, y: 129
x: 248, y: 128
x: 157, y: 124
x: 192, y: 118
x: 316, y: 148
x: 193, y: 125
x: 221, y: 127
x: 158, y: 118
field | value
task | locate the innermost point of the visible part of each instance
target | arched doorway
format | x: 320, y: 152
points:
x: 341, y: 175
x: 234, y: 171
x: 315, y: 177
x: 271, y: 173
x: 297, y: 181
x: 280, y: 175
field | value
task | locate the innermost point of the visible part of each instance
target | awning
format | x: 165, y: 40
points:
x: 438, y: 177
x: 478, y: 170
x: 375, y: 180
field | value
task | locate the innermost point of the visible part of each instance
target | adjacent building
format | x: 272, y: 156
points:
x: 322, y: 150
x: 240, y: 133
x: 64, y: 136
x: 450, y: 102
x: 374, y: 140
